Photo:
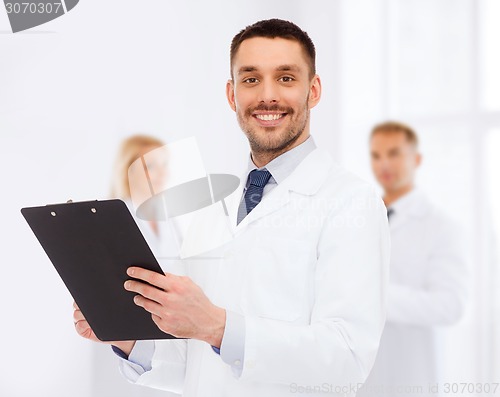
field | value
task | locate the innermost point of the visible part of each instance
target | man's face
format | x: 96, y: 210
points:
x: 272, y: 92
x: 394, y: 160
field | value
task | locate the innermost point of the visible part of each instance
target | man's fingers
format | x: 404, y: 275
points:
x: 78, y: 316
x: 156, y: 319
x: 75, y: 306
x: 149, y: 305
x: 82, y: 326
x: 145, y: 290
x: 153, y: 278
x: 83, y: 329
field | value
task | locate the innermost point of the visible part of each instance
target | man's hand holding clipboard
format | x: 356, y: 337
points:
x: 121, y: 293
x: 177, y: 305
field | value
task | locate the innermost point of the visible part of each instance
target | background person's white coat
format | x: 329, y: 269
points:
x: 428, y: 290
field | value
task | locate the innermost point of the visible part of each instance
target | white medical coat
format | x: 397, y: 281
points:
x: 427, y: 290
x: 308, y: 268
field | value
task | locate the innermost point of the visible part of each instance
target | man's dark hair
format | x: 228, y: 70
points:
x: 272, y: 28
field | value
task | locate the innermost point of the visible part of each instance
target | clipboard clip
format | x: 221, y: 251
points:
x: 93, y: 210
x: 70, y: 201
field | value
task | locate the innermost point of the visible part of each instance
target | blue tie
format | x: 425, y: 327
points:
x: 253, y: 195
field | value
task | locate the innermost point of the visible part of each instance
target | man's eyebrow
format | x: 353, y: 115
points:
x: 281, y: 68
x: 245, y: 69
x: 286, y: 68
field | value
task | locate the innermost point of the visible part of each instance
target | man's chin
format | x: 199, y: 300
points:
x: 272, y: 142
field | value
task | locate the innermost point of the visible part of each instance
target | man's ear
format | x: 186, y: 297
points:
x: 314, y: 91
x: 230, y: 94
x: 418, y: 159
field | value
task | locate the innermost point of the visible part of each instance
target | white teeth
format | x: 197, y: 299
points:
x: 268, y: 117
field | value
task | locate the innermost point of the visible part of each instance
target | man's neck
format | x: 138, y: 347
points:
x: 260, y: 159
x: 390, y: 196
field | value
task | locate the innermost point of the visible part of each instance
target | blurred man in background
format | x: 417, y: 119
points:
x: 428, y: 273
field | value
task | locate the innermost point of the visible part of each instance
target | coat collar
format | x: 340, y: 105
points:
x: 306, y: 179
x: 311, y: 173
x: 413, y: 204
x: 283, y: 165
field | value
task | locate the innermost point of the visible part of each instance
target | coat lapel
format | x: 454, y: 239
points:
x: 306, y: 179
x: 414, y: 205
x: 211, y: 227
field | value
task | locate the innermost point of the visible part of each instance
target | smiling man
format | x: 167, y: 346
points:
x: 296, y: 304
x: 272, y: 99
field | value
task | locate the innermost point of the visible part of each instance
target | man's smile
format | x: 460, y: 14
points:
x: 267, y: 119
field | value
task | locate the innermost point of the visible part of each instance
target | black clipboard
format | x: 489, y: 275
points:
x: 91, y: 244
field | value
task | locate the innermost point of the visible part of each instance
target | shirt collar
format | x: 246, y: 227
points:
x: 283, y: 165
x: 412, y: 203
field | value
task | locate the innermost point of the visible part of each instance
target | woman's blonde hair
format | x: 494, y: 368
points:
x: 130, y: 150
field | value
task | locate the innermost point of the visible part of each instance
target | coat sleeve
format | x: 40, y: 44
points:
x: 442, y: 298
x: 168, y: 366
x: 339, y: 345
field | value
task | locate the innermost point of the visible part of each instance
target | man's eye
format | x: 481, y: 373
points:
x: 250, y: 80
x: 287, y: 79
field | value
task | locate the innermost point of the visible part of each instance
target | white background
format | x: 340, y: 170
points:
x: 72, y: 89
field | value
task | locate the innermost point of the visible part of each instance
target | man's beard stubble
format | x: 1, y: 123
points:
x: 271, y: 145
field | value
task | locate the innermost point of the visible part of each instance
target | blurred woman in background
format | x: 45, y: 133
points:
x: 139, y: 172
x: 133, y: 185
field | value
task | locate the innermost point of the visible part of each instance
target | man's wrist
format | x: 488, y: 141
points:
x: 216, y: 333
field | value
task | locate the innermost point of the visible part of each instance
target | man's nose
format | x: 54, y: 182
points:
x: 269, y: 92
x: 385, y: 163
